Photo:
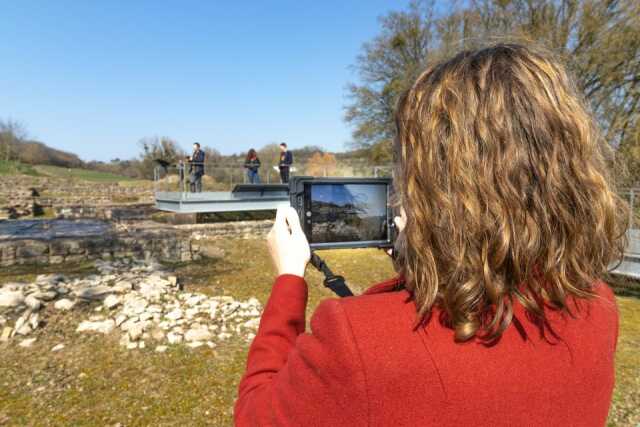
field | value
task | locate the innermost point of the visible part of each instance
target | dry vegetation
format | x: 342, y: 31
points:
x: 93, y: 381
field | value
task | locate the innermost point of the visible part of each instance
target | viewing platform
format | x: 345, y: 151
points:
x: 244, y: 197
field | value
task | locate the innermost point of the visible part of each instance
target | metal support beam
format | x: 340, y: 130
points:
x: 245, y: 197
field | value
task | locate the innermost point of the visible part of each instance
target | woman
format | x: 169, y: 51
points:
x: 498, y: 315
x: 252, y: 163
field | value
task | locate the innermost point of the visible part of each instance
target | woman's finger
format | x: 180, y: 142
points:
x: 293, y: 220
x: 281, y: 220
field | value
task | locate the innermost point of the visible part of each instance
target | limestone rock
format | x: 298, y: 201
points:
x: 120, y: 318
x: 174, y: 314
x: 198, y: 334
x: 194, y: 300
x: 32, y: 302
x: 152, y: 290
x: 45, y: 295
x: 146, y: 316
x: 34, y: 321
x: 157, y: 334
x: 174, y: 338
x: 252, y: 323
x: 111, y: 301
x: 27, y: 342
x: 126, y: 325
x: 63, y: 304
x: 93, y: 292
x: 161, y: 348
x: 11, y: 298
x: 135, y: 331
x: 22, y: 327
x: 122, y: 286
x: 135, y: 305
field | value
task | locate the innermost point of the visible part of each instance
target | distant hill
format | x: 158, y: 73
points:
x: 38, y: 153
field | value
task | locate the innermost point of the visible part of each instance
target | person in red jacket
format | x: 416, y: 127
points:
x: 498, y: 316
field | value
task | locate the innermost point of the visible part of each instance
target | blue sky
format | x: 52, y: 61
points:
x: 94, y: 77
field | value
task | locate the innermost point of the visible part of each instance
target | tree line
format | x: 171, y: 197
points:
x: 598, y: 40
x: 16, y: 146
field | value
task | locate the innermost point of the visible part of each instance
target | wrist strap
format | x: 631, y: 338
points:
x: 334, y: 282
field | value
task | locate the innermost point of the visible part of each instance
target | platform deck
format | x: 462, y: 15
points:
x: 246, y: 197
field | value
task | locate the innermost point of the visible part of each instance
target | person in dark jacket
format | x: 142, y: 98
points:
x: 286, y: 159
x: 196, y: 168
x: 252, y: 164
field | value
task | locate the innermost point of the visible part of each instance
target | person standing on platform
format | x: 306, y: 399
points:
x: 286, y: 159
x: 196, y: 168
x: 252, y: 164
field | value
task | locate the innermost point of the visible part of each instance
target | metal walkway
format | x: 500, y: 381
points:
x: 244, y: 197
x: 630, y: 265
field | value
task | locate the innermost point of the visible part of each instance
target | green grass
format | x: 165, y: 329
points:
x: 93, y: 381
x: 80, y: 174
x: 17, y: 168
x: 626, y: 396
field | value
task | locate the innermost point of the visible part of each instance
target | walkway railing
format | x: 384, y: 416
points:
x: 176, y: 177
x: 631, y: 195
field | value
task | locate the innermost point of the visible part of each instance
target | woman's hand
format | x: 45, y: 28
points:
x: 287, y: 243
x: 401, y: 223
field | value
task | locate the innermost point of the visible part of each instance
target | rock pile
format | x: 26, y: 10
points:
x: 140, y: 300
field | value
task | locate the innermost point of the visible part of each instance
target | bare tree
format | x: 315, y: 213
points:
x: 321, y: 164
x: 386, y: 67
x: 12, y: 133
x: 598, y: 39
x: 156, y: 149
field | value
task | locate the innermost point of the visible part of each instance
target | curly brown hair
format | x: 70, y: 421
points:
x: 504, y: 179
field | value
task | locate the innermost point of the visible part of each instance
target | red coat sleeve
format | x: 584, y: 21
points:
x: 295, y: 378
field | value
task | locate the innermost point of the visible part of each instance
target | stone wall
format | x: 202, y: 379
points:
x: 162, y: 243
x: 143, y: 240
x: 17, y: 194
x: 106, y: 212
x: 236, y: 229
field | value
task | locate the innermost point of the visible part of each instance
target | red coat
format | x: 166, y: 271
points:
x: 363, y: 364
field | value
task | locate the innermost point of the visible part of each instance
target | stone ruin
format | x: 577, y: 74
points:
x: 47, y: 242
x: 19, y: 195
x: 65, y: 241
x: 140, y: 301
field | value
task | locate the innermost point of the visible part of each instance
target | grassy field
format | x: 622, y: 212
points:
x: 80, y: 174
x: 95, y: 382
x: 16, y: 168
